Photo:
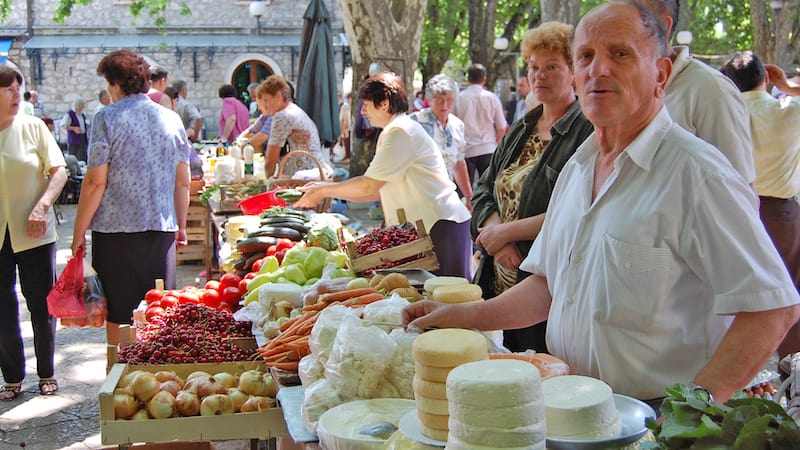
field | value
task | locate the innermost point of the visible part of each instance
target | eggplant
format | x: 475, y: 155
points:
x: 278, y: 232
x: 282, y: 220
x: 256, y: 244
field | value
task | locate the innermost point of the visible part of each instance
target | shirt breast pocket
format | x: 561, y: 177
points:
x: 636, y: 278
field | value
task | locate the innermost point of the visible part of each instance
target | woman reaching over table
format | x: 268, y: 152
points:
x: 134, y: 201
x: 511, y: 197
x: 289, y: 124
x: 407, y: 172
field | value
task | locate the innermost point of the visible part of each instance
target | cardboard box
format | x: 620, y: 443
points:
x: 252, y: 425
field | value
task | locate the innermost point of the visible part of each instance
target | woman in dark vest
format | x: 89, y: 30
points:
x: 75, y: 124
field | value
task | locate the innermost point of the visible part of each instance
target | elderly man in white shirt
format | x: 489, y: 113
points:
x: 652, y: 267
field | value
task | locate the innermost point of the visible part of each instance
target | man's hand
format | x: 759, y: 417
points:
x: 313, y: 194
x: 427, y: 314
x: 777, y: 76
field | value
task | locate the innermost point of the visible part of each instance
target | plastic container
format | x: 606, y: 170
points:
x: 259, y: 202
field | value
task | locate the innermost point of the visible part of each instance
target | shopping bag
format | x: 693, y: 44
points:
x: 95, y: 304
x: 66, y: 297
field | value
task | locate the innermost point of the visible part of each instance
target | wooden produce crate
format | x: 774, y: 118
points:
x: 424, y: 245
x: 197, y: 249
x: 252, y: 425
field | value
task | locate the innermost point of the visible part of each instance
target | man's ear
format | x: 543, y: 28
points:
x: 664, y: 68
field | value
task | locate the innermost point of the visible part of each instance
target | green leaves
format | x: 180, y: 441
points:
x: 691, y: 422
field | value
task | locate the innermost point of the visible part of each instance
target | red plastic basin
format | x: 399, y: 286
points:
x: 259, y: 202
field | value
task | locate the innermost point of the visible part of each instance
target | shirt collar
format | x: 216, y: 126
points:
x: 757, y: 94
x: 682, y: 59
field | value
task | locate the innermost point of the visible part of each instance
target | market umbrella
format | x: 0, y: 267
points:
x: 316, y: 85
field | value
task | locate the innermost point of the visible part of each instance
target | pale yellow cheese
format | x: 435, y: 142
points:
x: 449, y: 347
x: 430, y: 373
x: 430, y: 389
x: 458, y: 293
x: 433, y: 283
x: 433, y: 433
x: 438, y: 421
x: 431, y: 405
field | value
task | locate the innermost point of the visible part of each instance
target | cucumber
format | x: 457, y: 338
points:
x: 289, y: 195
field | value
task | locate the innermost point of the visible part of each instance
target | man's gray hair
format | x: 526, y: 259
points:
x: 78, y: 102
x: 252, y: 86
x: 439, y: 85
x: 653, y: 25
x: 179, y: 85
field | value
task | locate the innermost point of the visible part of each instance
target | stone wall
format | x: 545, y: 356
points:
x: 68, y: 73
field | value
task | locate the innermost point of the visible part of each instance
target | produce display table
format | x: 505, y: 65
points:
x: 216, y: 217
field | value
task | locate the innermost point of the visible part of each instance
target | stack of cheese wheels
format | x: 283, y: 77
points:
x: 435, y: 354
x: 580, y: 408
x: 495, y: 404
x: 452, y: 290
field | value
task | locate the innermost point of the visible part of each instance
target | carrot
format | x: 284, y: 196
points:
x: 290, y: 365
x: 346, y: 294
x: 364, y: 299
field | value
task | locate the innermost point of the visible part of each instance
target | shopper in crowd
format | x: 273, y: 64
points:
x: 103, y: 100
x: 484, y: 122
x: 26, y: 107
x: 290, y: 124
x: 511, y: 197
x: 253, y: 95
x: 517, y: 107
x: 702, y: 100
x: 38, y: 107
x: 345, y: 124
x: 233, y: 116
x: 776, y: 150
x: 134, y: 201
x: 447, y: 130
x: 75, y: 124
x: 159, y: 77
x: 258, y: 133
x: 172, y: 93
x: 408, y: 173
x: 32, y: 175
x: 651, y: 267
x: 190, y: 115
x: 419, y: 100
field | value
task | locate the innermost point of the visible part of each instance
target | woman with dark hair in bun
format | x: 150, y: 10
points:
x: 407, y: 172
x: 135, y: 193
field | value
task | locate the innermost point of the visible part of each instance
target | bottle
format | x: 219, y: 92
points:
x: 248, y: 161
x: 236, y: 153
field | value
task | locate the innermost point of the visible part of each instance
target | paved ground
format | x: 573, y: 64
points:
x: 70, y: 419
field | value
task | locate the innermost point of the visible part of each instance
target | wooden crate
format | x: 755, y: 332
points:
x: 361, y: 263
x: 197, y: 249
x: 252, y: 425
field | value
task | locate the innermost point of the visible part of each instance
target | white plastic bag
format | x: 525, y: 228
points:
x: 359, y: 359
x: 400, y: 372
x: 310, y: 369
x: 318, y: 398
x: 389, y: 311
x: 324, y: 332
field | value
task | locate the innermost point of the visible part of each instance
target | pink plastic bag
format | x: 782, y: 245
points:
x: 65, y: 300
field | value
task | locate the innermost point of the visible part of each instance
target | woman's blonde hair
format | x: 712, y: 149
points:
x: 551, y: 37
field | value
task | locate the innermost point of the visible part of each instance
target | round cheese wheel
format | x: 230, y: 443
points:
x: 507, y: 417
x: 430, y: 373
x: 458, y: 293
x: 494, y: 383
x: 431, y: 405
x: 432, y: 283
x: 430, y: 389
x: 449, y: 347
x: 498, y: 437
x: 433, y: 433
x: 453, y: 443
x: 438, y: 421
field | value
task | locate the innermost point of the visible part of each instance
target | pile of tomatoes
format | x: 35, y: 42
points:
x: 222, y: 295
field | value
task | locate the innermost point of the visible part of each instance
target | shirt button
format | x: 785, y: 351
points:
x: 578, y: 259
x: 570, y: 301
x: 627, y: 265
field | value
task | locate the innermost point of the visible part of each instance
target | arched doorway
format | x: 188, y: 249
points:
x: 250, y: 68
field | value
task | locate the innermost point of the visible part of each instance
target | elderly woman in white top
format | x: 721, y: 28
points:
x: 407, y: 172
x: 447, y: 130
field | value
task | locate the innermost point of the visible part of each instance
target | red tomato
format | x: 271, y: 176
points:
x: 285, y: 243
x: 225, y: 307
x: 188, y: 297
x: 231, y: 295
x: 212, y: 284
x: 159, y: 303
x: 152, y: 312
x: 229, y: 280
x: 272, y: 249
x: 153, y: 295
x: 243, y: 284
x: 280, y: 254
x: 211, y: 298
x: 256, y: 266
x: 250, y: 276
x: 168, y: 301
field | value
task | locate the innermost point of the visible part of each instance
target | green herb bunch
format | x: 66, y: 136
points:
x: 692, y: 422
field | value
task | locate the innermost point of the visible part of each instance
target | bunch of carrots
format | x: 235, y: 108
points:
x: 285, y: 350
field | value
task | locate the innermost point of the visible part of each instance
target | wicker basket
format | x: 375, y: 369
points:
x: 292, y: 162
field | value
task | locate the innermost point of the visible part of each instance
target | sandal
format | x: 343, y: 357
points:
x: 10, y: 391
x: 48, y: 386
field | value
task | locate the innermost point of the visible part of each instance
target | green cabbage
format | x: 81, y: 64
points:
x: 322, y: 235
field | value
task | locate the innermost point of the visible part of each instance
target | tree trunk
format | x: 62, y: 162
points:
x: 389, y: 33
x: 482, y: 14
x: 567, y: 11
x: 763, y: 37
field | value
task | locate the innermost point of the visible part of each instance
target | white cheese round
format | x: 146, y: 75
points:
x: 580, y: 408
x: 453, y: 443
x: 496, y: 383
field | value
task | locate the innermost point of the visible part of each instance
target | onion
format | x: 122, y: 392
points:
x: 256, y: 403
x: 238, y: 397
x: 141, y: 414
x: 170, y: 386
x: 126, y: 380
x: 197, y: 373
x: 205, y: 386
x: 227, y: 379
x: 161, y: 405
x: 251, y: 382
x: 187, y: 403
x: 145, y: 386
x: 216, y: 405
x: 127, y: 390
x: 124, y: 406
x: 165, y: 375
x: 272, y: 388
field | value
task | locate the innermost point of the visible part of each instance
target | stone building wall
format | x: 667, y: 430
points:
x: 67, y: 73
